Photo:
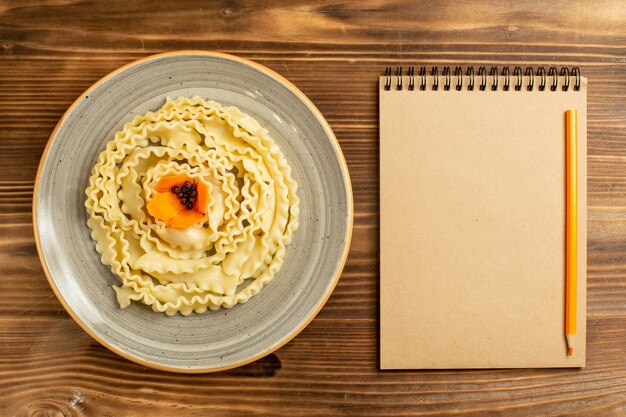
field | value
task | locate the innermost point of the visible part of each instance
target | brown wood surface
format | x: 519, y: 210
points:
x: 53, y: 50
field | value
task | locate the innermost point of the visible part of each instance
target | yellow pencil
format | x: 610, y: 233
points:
x: 571, y: 219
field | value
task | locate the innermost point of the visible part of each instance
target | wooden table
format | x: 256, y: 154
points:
x: 53, y: 50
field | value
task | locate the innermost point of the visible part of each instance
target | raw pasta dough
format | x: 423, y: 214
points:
x: 235, y: 250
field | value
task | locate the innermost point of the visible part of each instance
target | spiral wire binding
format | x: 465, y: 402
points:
x: 552, y: 72
x: 493, y: 73
x: 470, y: 74
x: 518, y: 73
x: 446, y: 74
x: 529, y: 74
x: 506, y: 73
x: 541, y: 72
x: 388, y: 78
x: 565, y: 73
x: 482, y: 73
x: 576, y: 72
x: 531, y: 78
x: 458, y: 72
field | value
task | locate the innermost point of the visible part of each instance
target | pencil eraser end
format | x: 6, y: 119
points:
x: 570, y: 351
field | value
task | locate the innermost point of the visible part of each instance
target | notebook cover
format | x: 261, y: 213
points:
x: 472, y: 228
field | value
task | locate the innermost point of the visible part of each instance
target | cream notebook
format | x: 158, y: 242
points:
x: 472, y: 218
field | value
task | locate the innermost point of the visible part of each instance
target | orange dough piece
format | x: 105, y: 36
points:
x: 202, y: 200
x: 164, y: 206
x: 185, y: 218
x: 167, y: 182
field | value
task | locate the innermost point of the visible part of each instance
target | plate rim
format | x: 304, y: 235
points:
x: 347, y: 238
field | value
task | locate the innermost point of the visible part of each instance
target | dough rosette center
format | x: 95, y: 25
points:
x: 217, y: 243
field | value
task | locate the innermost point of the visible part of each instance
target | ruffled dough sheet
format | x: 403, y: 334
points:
x: 252, y: 212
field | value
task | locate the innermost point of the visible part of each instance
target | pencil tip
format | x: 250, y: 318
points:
x: 570, y: 351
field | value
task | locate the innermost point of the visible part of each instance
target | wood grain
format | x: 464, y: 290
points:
x: 53, y: 50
